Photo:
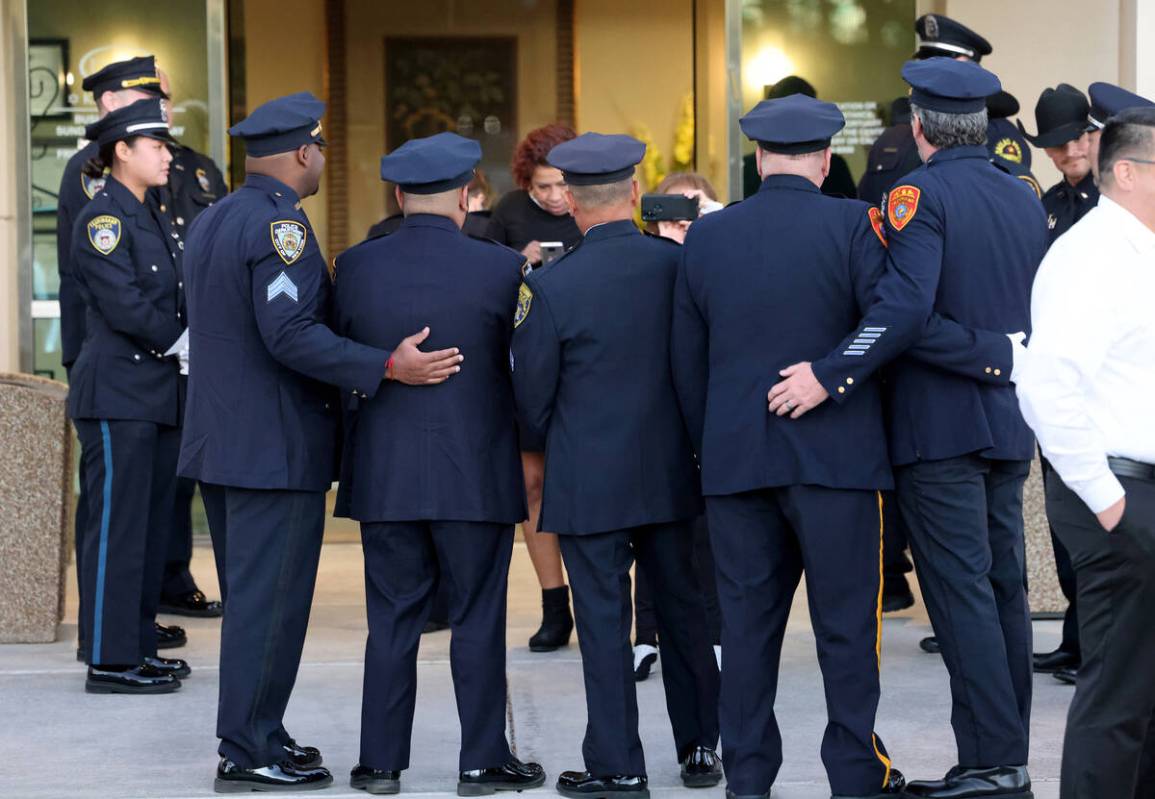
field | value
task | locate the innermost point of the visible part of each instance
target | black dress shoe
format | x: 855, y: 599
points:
x: 1050, y: 662
x: 302, y: 756
x: 143, y: 679
x: 513, y: 776
x: 173, y: 666
x: 375, y: 780
x: 1067, y: 676
x: 280, y: 777
x: 701, y: 768
x: 1007, y: 782
x: 170, y: 637
x: 583, y: 785
x: 556, y: 621
x: 895, y: 786
x: 896, y: 594
x: 930, y: 645
x: 194, y: 604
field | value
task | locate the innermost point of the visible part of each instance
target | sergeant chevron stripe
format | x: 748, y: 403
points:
x: 282, y: 285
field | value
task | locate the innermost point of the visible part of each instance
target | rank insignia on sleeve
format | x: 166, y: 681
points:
x: 92, y: 186
x: 281, y: 285
x: 524, y: 301
x: 104, y: 233
x: 901, y: 205
x: 875, y: 216
x: 288, y: 239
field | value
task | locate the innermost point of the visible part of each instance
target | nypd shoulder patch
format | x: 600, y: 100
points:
x: 524, y: 302
x: 104, y: 233
x: 288, y: 237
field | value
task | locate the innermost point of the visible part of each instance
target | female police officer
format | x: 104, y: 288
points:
x: 124, y: 400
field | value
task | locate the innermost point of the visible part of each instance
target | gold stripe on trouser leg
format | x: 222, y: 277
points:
x: 878, y: 634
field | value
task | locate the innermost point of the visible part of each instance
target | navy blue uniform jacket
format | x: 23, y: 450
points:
x: 76, y: 189
x: 262, y: 410
x: 127, y: 274
x: 592, y: 373
x: 446, y: 452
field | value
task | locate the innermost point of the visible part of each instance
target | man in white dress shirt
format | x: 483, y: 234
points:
x: 1087, y: 388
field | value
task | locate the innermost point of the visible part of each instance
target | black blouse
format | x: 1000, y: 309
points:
x: 517, y: 220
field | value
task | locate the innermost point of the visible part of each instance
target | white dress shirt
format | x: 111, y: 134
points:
x: 1087, y: 383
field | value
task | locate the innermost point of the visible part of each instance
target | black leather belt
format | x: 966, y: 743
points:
x: 1125, y: 467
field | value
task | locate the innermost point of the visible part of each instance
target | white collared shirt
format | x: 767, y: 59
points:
x: 1087, y: 384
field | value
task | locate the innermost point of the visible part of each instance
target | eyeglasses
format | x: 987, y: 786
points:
x: 1138, y: 160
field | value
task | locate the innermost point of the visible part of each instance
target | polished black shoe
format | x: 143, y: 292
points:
x: 1067, y: 676
x: 194, y: 604
x: 143, y: 679
x: 1050, y: 662
x: 174, y: 666
x: 895, y: 786
x: 701, y: 768
x: 279, y: 777
x: 583, y: 785
x: 896, y: 594
x: 556, y: 621
x: 513, y: 776
x: 302, y: 756
x: 1006, y: 782
x: 645, y: 656
x: 375, y: 780
x: 930, y: 645
x: 170, y: 637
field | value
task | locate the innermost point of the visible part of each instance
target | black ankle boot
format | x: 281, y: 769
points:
x: 556, y: 621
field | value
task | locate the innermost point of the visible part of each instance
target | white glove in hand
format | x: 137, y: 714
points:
x: 1018, y: 353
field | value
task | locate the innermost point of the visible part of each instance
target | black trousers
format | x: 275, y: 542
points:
x: 646, y: 617
x: 270, y: 544
x: 1065, y: 570
x: 404, y: 561
x: 178, y: 580
x: 599, y: 575
x: 1109, y: 748
x: 895, y: 563
x: 129, y: 468
x: 965, y: 519
x: 763, y: 542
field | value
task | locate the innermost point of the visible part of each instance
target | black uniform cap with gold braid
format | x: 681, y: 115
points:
x: 135, y: 73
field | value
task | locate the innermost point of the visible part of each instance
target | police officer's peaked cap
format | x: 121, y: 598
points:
x: 281, y: 125
x: 1060, y: 116
x: 135, y: 73
x: 432, y: 164
x: 792, y: 125
x: 148, y: 117
x: 1108, y: 99
x: 943, y: 36
x: 949, y: 86
x: 593, y: 159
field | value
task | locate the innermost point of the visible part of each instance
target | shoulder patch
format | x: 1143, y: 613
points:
x: 902, y: 204
x: 524, y: 301
x: 526, y: 268
x: 288, y: 237
x: 104, y: 233
x: 92, y: 186
x: 875, y: 216
x: 203, y: 180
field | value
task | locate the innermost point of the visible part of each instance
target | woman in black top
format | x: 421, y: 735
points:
x: 527, y: 216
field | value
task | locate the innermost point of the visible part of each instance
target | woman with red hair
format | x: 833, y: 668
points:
x: 534, y: 213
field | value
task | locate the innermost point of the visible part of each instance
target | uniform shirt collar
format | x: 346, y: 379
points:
x: 271, y: 186
x: 954, y: 153
x: 123, y: 197
x: 1131, y: 230
x: 430, y: 220
x: 795, y: 182
x: 605, y: 230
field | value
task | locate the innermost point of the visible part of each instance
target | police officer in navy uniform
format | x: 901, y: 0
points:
x: 620, y: 478
x: 780, y: 276
x: 433, y: 474
x: 1107, y: 100
x: 261, y: 427
x: 124, y: 400
x: 965, y: 240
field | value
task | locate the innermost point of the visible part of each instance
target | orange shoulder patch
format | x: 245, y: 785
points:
x: 902, y: 205
x: 875, y: 216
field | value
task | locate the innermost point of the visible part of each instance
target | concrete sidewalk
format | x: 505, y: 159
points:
x: 61, y: 742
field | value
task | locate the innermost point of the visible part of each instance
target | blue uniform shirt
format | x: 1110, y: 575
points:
x: 262, y: 410
x: 592, y: 373
x: 127, y: 273
x: 448, y: 451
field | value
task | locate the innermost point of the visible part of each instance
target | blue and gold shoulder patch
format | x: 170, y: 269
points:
x: 524, y: 302
x: 104, y: 233
x: 93, y: 186
x: 288, y: 237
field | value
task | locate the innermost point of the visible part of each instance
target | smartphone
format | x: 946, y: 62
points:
x: 668, y: 207
x: 551, y: 250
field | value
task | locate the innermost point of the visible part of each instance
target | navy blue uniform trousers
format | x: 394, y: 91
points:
x: 129, y: 469
x: 267, y: 544
x: 178, y: 580
x: 965, y: 519
x: 646, y: 619
x: 599, y: 574
x: 404, y: 562
x: 763, y: 541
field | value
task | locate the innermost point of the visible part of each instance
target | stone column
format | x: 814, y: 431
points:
x: 1043, y: 582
